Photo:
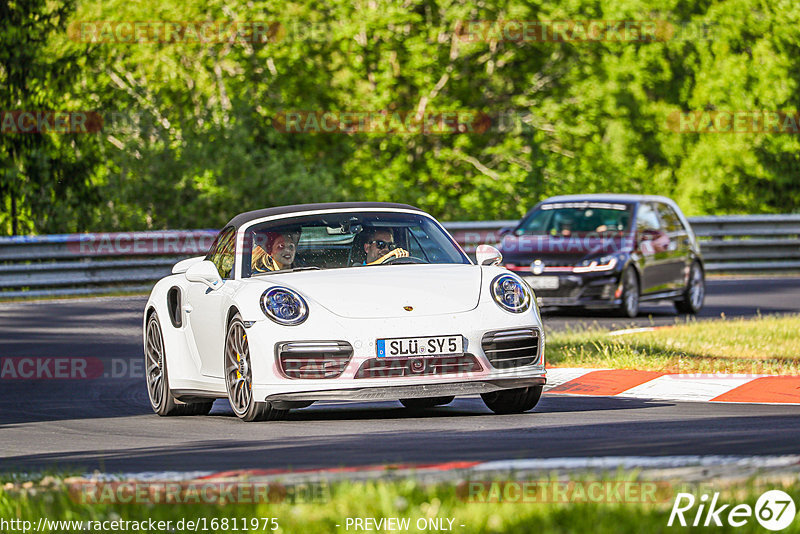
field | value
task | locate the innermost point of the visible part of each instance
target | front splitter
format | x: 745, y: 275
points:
x: 410, y: 392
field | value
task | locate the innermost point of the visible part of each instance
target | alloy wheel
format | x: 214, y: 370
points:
x: 238, y: 375
x: 697, y: 288
x: 155, y: 363
x: 630, y: 293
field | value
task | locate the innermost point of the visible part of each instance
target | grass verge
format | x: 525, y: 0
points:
x: 761, y: 345
x: 447, y: 503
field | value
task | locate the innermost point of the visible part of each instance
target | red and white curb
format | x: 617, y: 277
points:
x: 766, y: 389
x: 463, y: 470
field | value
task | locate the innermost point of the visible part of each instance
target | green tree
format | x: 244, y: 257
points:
x: 45, y: 178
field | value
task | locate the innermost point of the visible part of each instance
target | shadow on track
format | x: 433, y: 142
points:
x: 728, y: 435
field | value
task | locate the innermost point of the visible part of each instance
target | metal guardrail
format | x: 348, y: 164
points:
x: 84, y: 264
x: 79, y: 264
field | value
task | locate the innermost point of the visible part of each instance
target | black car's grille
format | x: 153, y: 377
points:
x: 435, y: 365
x: 594, y: 291
x: 313, y: 359
x: 563, y: 291
x: 512, y: 348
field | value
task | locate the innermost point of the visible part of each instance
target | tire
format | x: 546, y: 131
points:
x: 630, y: 293
x: 509, y: 401
x: 695, y: 292
x: 425, y: 403
x: 162, y: 401
x: 239, y: 378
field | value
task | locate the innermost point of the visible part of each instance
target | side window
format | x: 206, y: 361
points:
x: 670, y: 219
x: 647, y: 219
x: 222, y: 251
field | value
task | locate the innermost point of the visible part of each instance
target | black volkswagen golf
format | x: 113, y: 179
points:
x: 607, y: 251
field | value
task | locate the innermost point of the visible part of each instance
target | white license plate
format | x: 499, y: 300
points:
x: 542, y: 282
x: 420, y: 346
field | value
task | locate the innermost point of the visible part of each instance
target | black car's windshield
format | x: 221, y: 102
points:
x: 345, y: 240
x: 576, y: 218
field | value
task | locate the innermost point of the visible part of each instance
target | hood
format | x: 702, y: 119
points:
x: 558, y: 250
x: 382, y: 291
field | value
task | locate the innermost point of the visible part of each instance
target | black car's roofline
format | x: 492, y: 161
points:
x: 244, y: 218
x: 621, y: 198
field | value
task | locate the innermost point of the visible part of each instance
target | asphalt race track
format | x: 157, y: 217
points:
x: 106, y: 423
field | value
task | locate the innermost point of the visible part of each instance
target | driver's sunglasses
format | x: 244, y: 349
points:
x: 383, y: 244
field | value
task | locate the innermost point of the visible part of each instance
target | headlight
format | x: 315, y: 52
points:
x: 511, y: 293
x: 606, y: 263
x: 284, y: 306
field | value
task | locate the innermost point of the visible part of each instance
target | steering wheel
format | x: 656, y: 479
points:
x: 406, y: 259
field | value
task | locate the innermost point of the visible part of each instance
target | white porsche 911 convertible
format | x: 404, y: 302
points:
x: 345, y: 302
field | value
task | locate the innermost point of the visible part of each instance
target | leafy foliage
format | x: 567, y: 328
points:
x: 45, y: 179
x: 189, y: 138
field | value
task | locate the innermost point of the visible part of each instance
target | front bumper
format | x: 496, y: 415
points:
x: 410, y: 391
x: 269, y: 383
x: 589, y: 290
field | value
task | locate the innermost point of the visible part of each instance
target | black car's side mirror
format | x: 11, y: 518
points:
x: 505, y: 231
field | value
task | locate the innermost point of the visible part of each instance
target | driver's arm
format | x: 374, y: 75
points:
x: 396, y: 253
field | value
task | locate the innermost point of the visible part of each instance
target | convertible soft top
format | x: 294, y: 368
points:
x: 244, y: 218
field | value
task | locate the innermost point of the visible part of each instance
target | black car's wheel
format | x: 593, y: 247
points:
x: 427, y: 402
x: 630, y: 293
x: 512, y: 400
x: 161, y: 399
x: 695, y: 293
x: 239, y: 378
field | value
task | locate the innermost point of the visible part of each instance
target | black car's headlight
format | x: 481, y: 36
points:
x: 511, y: 293
x: 284, y: 306
x: 605, y: 263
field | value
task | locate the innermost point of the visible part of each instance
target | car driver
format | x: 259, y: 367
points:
x: 380, y: 247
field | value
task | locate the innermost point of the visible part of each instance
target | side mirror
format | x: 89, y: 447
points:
x: 182, y: 265
x: 505, y: 231
x: 488, y: 255
x: 204, y: 272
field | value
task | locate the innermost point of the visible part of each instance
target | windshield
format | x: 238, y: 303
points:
x: 565, y: 219
x: 345, y: 240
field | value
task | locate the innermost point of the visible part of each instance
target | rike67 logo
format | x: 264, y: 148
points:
x: 774, y: 510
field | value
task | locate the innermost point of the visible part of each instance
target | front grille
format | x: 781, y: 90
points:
x: 559, y: 268
x: 511, y: 348
x: 313, y: 359
x: 565, y: 291
x: 594, y: 291
x: 435, y: 365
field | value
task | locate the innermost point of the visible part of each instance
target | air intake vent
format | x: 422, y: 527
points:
x: 437, y: 365
x: 313, y: 359
x: 512, y: 348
